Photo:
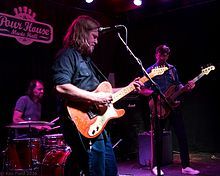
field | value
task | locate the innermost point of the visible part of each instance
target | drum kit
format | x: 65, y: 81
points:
x: 44, y: 155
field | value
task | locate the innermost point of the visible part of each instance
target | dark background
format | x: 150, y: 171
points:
x: 190, y: 29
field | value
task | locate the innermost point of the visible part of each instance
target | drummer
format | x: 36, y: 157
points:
x: 28, y: 108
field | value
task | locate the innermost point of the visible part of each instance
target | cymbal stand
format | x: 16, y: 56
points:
x: 35, y: 161
x: 7, y: 165
x: 30, y: 146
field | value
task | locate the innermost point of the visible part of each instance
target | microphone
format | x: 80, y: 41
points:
x: 106, y: 29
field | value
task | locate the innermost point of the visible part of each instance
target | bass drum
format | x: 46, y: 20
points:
x: 54, y: 162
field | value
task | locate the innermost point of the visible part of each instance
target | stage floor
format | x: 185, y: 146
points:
x: 208, y: 165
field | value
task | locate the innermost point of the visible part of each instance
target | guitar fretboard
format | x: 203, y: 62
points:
x: 126, y: 90
x: 198, y: 77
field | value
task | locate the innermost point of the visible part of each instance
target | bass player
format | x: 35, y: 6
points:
x: 165, y: 81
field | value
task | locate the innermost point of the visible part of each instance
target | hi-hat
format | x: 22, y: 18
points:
x: 27, y: 124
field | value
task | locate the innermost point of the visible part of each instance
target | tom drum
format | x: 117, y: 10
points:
x: 53, y: 141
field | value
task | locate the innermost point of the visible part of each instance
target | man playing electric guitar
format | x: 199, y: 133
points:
x: 165, y: 81
x: 75, y: 78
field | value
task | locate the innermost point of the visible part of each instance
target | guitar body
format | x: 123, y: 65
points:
x: 91, y: 120
x: 163, y: 109
x: 171, y: 97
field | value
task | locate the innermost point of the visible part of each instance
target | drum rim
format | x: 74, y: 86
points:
x: 53, y: 135
x: 26, y: 139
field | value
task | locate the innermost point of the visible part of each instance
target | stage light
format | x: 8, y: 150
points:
x: 89, y: 1
x: 137, y: 2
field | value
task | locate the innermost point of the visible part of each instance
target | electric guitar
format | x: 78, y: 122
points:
x: 91, y: 120
x: 171, y: 95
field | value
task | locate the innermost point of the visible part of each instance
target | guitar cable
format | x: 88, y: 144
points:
x: 82, y: 142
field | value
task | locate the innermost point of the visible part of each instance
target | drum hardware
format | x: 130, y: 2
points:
x: 115, y: 145
x: 4, y: 161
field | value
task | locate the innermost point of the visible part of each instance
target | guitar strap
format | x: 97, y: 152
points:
x: 171, y: 72
x: 95, y: 69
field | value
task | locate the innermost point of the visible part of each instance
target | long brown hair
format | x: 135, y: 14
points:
x: 31, y: 87
x: 78, y: 32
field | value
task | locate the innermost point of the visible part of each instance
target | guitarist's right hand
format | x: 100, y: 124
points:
x: 103, y: 98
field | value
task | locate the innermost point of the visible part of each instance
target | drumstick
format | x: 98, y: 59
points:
x: 55, y: 120
x: 55, y: 127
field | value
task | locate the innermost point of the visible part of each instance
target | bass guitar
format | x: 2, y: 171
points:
x: 171, y: 95
x: 91, y: 120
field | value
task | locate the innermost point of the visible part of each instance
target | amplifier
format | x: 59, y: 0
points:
x: 145, y: 152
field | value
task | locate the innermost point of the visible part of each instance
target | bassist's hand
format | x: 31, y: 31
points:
x: 190, y: 85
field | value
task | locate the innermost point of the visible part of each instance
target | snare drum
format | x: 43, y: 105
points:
x: 24, y: 153
x: 54, y: 162
x: 53, y: 141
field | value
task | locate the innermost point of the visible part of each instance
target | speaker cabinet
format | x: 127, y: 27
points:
x: 127, y: 128
x: 145, y: 152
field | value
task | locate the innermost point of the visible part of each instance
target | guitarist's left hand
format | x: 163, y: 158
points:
x: 190, y: 85
x: 137, y: 84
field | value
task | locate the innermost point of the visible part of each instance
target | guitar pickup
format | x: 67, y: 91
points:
x: 91, y: 114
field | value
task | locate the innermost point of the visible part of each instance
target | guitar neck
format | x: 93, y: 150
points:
x: 183, y: 89
x: 198, y: 77
x: 128, y: 89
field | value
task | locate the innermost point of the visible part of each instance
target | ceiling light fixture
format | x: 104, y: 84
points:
x: 89, y: 1
x: 137, y: 2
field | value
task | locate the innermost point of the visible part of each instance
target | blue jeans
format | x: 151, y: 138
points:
x: 102, y: 160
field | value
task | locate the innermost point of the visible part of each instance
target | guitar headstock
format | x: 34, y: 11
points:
x: 208, y: 69
x: 159, y: 70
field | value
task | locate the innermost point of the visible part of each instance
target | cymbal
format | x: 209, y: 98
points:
x: 27, y: 124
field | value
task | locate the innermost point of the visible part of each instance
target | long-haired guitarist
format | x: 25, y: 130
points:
x: 84, y: 94
x: 169, y: 85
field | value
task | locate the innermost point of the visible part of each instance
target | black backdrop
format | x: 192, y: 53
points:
x: 190, y: 32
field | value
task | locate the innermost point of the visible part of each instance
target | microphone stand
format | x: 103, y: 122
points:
x: 155, y: 125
